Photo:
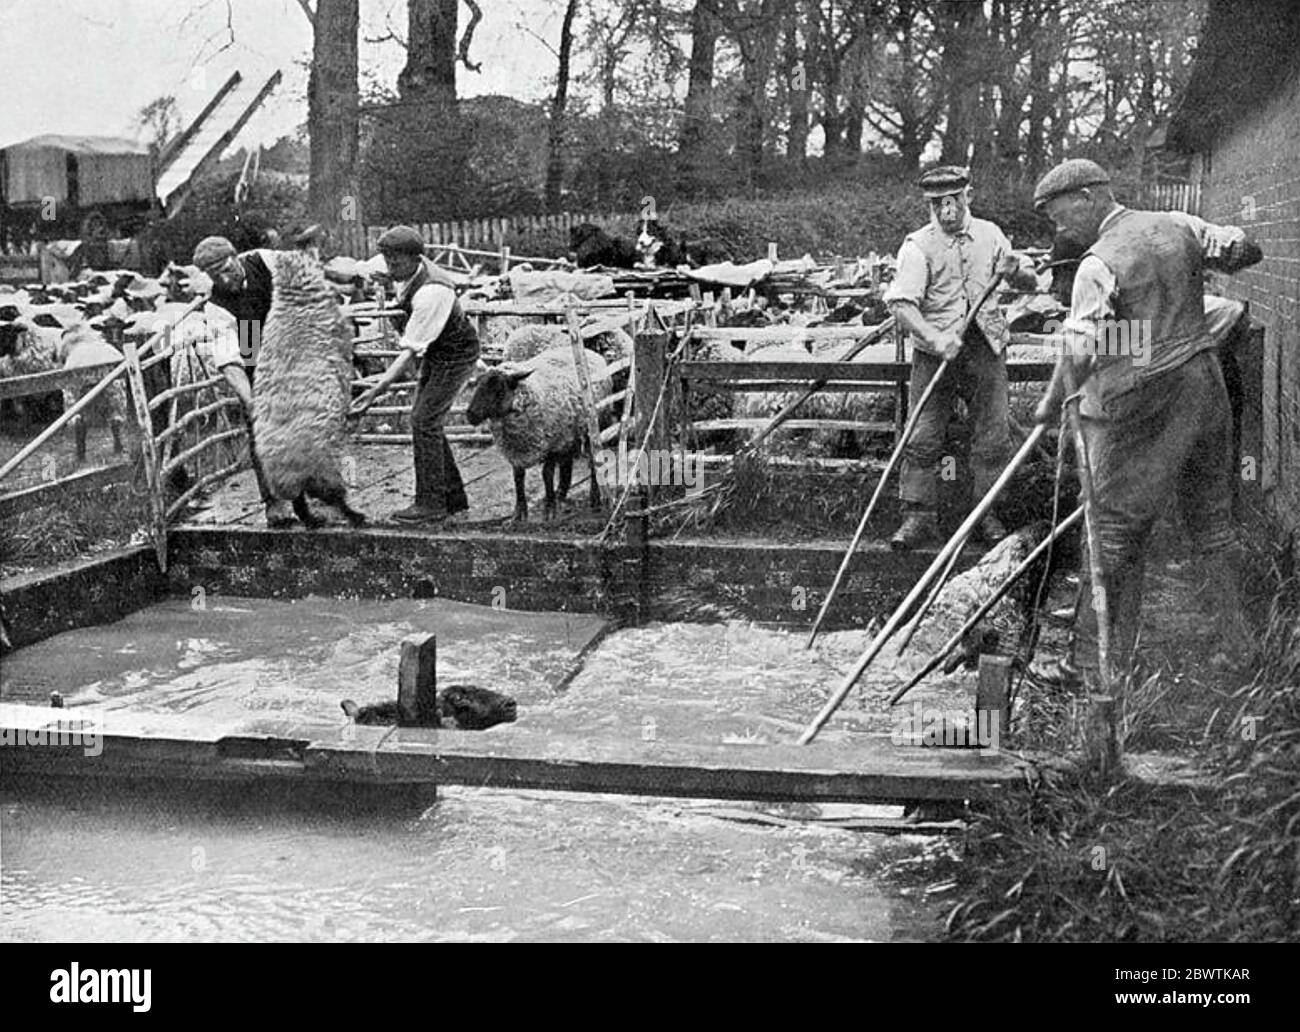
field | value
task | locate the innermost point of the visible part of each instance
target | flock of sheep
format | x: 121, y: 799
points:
x: 531, y: 401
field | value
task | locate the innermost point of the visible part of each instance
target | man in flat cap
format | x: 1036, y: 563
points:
x: 241, y: 287
x: 437, y: 334
x: 943, y: 269
x: 1155, y: 420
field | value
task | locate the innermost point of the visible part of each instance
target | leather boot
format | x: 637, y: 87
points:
x: 919, y: 528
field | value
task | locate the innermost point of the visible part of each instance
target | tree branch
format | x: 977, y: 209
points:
x: 462, y: 54
x: 306, y: 9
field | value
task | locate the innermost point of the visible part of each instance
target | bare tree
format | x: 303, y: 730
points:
x: 697, y: 116
x: 556, y: 133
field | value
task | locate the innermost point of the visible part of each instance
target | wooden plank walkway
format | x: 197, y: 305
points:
x: 40, y: 741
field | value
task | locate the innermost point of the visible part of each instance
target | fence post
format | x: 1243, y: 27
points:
x: 157, y: 506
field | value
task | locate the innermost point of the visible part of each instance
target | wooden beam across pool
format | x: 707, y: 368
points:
x: 36, y: 740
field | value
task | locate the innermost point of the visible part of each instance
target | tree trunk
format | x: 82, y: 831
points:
x: 854, y: 116
x: 332, y: 114
x: 961, y: 35
x: 1040, y: 107
x: 756, y: 45
x: 796, y: 80
x: 697, y: 116
x: 430, y: 70
x: 555, y: 137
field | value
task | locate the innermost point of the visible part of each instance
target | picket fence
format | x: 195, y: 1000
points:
x: 359, y: 240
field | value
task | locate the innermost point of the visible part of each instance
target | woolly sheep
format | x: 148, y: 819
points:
x: 302, y: 390
x: 537, y: 415
x: 530, y: 339
x: 81, y: 346
x: 25, y: 350
x: 860, y: 406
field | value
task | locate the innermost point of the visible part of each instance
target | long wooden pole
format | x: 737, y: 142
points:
x: 875, y: 497
x: 987, y: 605
x: 1101, y: 736
x: 903, y: 438
x: 814, y: 387
x: 910, y: 630
x: 940, y: 560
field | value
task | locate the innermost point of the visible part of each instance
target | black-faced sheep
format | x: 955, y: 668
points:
x: 538, y: 415
x: 302, y: 390
x: 28, y: 347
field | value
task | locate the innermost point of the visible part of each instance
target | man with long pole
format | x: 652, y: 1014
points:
x: 1154, y: 415
x: 943, y: 269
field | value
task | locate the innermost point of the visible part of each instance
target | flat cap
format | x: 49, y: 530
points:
x: 212, y: 251
x: 401, y: 240
x: 1070, y: 175
x: 944, y: 180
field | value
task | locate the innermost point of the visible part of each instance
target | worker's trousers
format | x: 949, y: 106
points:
x: 443, y: 372
x: 1169, y: 441
x: 979, y: 377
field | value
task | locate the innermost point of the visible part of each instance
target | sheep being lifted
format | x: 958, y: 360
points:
x: 302, y: 390
x: 537, y: 416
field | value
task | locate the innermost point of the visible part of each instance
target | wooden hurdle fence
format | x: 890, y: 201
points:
x: 161, y: 439
x: 376, y: 339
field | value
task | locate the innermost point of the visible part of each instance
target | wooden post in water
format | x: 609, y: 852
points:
x: 417, y: 682
x: 992, y: 695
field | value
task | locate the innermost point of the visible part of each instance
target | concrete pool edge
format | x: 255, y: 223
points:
x: 696, y: 580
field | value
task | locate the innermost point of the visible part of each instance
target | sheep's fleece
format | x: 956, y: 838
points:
x: 304, y: 372
x: 531, y: 339
x: 547, y: 416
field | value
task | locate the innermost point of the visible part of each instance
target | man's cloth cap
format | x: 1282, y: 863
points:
x: 944, y: 180
x: 401, y: 240
x: 1068, y: 176
x: 213, y: 251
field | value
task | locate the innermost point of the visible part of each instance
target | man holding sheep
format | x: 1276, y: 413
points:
x: 437, y: 334
x: 943, y: 269
x: 241, y: 288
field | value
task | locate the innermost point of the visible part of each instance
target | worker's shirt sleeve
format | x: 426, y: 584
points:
x: 430, y: 308
x: 1212, y: 238
x: 911, y: 275
x: 223, y: 332
x: 1091, y: 303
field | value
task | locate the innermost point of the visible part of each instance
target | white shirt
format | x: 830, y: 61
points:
x: 944, y: 275
x: 223, y: 332
x: 430, y: 308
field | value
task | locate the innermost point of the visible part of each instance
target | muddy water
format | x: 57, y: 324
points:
x: 184, y: 863
x: 478, y: 864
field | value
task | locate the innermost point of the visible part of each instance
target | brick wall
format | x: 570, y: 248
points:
x: 681, y: 580
x: 1253, y: 180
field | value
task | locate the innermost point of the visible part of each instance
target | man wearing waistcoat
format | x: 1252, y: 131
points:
x: 943, y: 269
x: 437, y: 334
x: 1155, y: 420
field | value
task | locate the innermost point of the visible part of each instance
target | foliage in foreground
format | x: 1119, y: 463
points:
x: 1073, y: 861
